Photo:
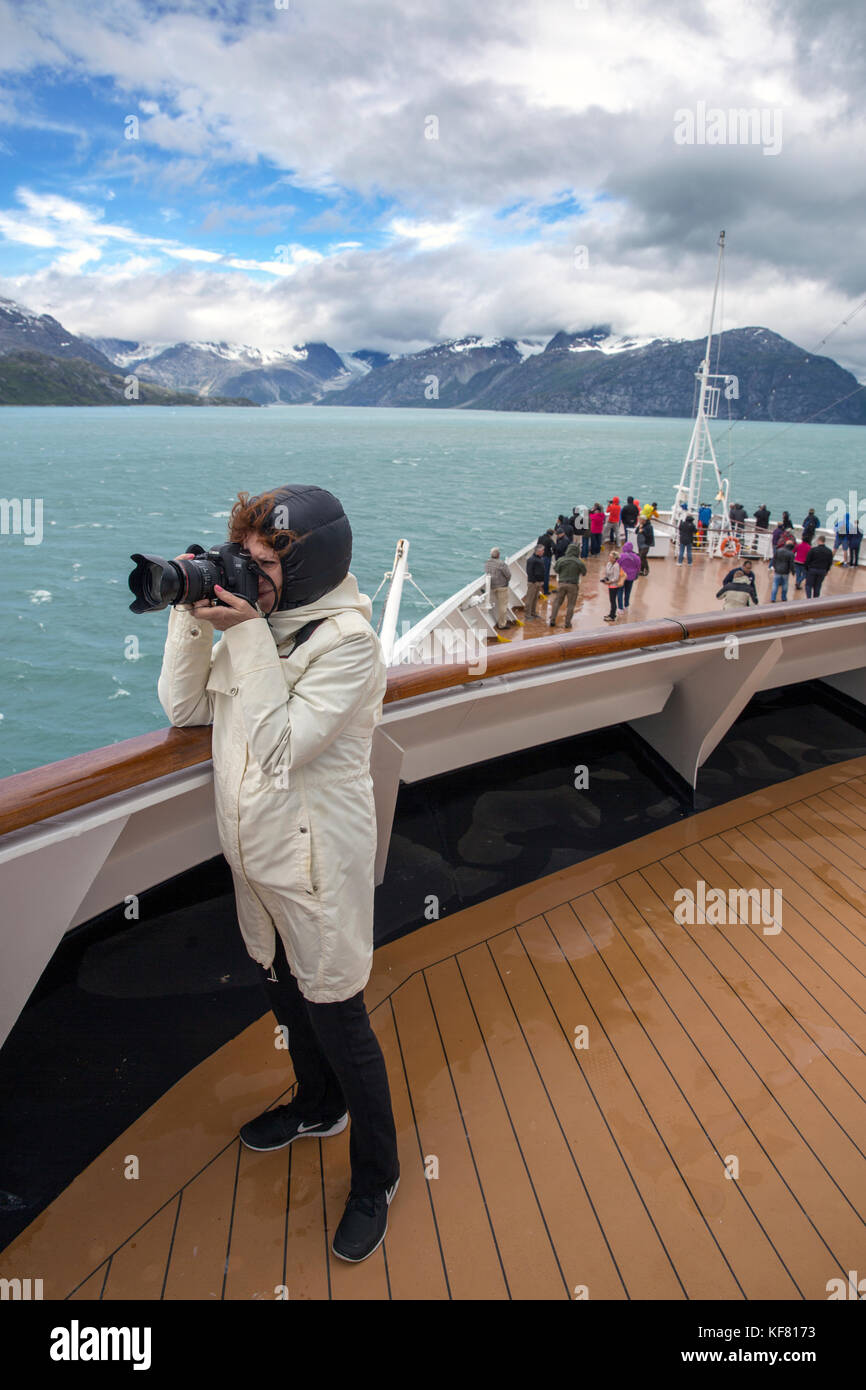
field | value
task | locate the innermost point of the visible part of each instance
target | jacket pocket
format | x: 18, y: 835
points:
x: 276, y: 834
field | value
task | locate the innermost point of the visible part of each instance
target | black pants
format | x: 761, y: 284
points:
x: 339, y: 1066
x: 814, y: 580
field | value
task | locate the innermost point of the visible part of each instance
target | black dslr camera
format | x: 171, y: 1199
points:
x: 157, y: 583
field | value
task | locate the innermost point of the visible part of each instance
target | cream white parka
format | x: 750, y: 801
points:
x: 292, y: 735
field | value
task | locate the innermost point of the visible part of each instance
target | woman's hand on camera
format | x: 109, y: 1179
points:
x: 237, y: 611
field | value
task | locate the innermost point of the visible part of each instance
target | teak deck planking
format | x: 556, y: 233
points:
x: 562, y: 1172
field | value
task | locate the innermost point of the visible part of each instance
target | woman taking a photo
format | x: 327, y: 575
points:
x: 294, y: 690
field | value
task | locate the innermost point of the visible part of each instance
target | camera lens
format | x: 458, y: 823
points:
x: 155, y: 582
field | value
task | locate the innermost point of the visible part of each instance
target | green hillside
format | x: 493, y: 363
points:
x: 34, y: 378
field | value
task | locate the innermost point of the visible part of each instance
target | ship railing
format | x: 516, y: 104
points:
x: 465, y: 613
x: 396, y: 575
x: 27, y: 798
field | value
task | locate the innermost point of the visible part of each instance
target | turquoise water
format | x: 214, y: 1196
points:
x: 454, y: 483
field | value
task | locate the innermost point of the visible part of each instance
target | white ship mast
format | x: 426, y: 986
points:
x: 701, y: 454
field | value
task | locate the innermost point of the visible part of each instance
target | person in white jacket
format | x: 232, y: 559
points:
x: 294, y: 690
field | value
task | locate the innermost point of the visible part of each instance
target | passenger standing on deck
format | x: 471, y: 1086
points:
x: 855, y: 536
x: 580, y: 521
x: 762, y: 517
x: 818, y: 562
x: 561, y: 542
x: 613, y: 511
x: 810, y: 525
x: 620, y: 589
x: 500, y: 578
x: 687, y: 532
x: 294, y: 691
x: 801, y: 550
x: 738, y: 517
x: 628, y: 517
x: 569, y: 569
x: 612, y: 577
x: 782, y: 564
x: 787, y: 522
x: 534, y: 581
x: 629, y: 563
x: 645, y: 540
x: 778, y: 535
x: 546, y: 543
x: 842, y: 537
x: 596, y: 526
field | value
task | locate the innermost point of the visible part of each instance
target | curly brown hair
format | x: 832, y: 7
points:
x: 253, y: 514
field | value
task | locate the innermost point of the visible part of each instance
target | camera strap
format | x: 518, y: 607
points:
x: 302, y: 634
x: 306, y: 631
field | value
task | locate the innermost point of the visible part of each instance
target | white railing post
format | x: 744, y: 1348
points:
x: 391, y: 613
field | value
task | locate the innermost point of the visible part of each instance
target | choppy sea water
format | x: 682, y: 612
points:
x: 454, y: 483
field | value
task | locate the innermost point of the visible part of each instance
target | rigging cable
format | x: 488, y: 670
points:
x: 421, y: 591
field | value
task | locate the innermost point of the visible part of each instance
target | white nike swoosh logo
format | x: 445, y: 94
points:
x: 302, y: 1129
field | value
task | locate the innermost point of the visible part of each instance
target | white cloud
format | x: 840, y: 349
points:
x: 15, y: 228
x: 191, y: 253
x: 54, y: 221
x: 400, y: 302
x: 533, y: 102
x: 428, y: 235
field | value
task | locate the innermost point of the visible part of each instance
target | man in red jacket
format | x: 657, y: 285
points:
x: 613, y: 520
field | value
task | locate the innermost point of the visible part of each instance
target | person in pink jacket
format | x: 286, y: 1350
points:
x: 801, y: 550
x: 596, y: 527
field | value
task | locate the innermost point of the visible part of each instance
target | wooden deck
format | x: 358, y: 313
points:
x: 560, y: 1171
x: 668, y: 591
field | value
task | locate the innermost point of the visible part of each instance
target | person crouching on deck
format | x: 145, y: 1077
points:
x: 294, y: 689
x: 736, y: 592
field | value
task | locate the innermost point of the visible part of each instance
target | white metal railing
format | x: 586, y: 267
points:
x: 391, y: 612
x: 463, y: 611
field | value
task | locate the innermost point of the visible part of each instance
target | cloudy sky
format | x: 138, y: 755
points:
x: 391, y: 173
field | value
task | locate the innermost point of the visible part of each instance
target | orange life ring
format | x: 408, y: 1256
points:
x: 730, y: 546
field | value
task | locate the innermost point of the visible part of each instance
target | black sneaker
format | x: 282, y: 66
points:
x: 363, y: 1224
x: 277, y: 1128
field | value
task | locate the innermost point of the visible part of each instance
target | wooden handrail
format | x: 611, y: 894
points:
x: 404, y: 682
x: 29, y: 797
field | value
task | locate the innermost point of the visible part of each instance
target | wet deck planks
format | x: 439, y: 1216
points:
x: 669, y: 590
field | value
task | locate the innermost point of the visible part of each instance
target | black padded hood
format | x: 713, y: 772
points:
x: 320, y: 559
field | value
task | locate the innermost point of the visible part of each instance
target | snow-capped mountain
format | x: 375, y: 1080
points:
x: 593, y: 371
x: 265, y: 375
x: 598, y: 372
x: 22, y: 330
